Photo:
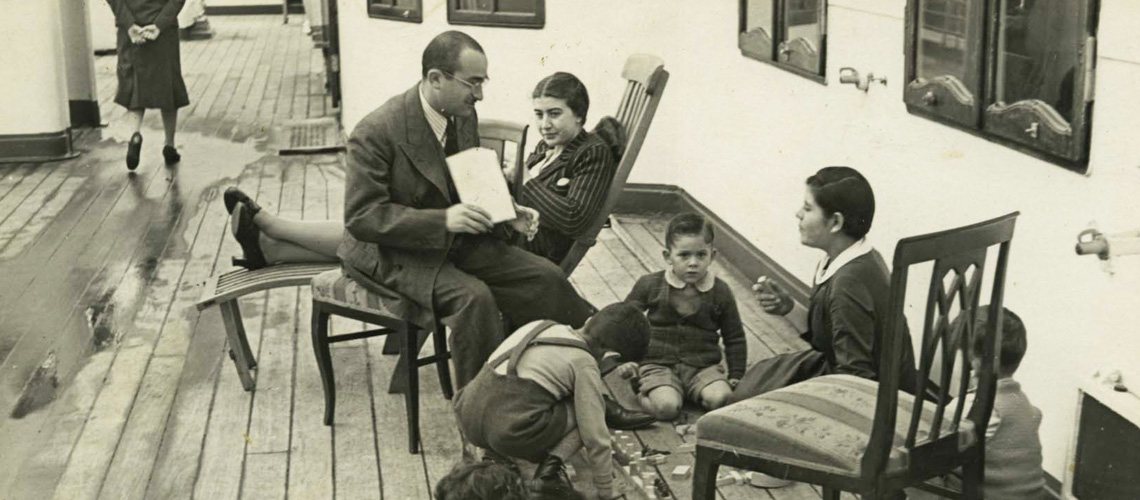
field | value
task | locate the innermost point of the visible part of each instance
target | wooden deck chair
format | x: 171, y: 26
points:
x: 848, y: 433
x: 645, y: 77
x: 225, y: 289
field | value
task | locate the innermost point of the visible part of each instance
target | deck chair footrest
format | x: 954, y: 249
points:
x: 432, y: 359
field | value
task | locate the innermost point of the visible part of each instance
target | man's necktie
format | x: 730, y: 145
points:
x: 450, y: 147
x: 451, y: 136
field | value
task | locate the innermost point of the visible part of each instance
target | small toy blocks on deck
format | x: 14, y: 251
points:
x: 687, y: 448
x: 729, y: 478
x: 682, y: 471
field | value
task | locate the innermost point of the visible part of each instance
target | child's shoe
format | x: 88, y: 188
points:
x: 551, y: 479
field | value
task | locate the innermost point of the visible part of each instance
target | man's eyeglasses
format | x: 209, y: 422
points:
x: 472, y: 86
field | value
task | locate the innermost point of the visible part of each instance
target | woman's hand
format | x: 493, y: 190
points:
x: 136, y: 34
x: 773, y: 299
x: 150, y: 32
x: 525, y: 221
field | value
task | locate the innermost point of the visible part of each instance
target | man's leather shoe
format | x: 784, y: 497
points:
x: 618, y: 417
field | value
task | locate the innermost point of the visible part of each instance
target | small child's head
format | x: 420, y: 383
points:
x: 1013, y: 342
x: 621, y: 328
x: 688, y: 247
x: 480, y: 481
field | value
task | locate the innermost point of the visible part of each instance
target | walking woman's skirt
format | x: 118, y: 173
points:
x: 150, y: 75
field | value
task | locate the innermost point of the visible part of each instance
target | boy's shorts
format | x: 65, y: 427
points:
x: 687, y: 380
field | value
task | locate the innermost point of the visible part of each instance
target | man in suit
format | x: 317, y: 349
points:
x: 407, y: 231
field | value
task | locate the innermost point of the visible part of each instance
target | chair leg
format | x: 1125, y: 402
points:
x: 412, y: 391
x: 399, y: 382
x: 830, y: 493
x: 704, y: 474
x: 973, y: 473
x: 240, y: 351
x: 320, y: 333
x: 442, y: 366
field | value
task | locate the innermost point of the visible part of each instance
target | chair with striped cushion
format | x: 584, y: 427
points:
x: 334, y: 293
x: 868, y: 437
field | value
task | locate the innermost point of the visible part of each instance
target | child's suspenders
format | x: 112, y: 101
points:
x: 530, y: 340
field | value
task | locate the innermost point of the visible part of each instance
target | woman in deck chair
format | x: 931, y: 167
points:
x: 565, y: 180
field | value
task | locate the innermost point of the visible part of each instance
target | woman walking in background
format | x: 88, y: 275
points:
x: 149, y: 69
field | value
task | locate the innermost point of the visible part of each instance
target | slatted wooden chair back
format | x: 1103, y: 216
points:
x: 508, y: 139
x: 958, y: 260
x: 645, y: 77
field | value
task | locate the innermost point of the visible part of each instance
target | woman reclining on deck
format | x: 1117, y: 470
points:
x: 565, y: 180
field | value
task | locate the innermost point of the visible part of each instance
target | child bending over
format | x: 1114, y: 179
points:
x: 690, y: 311
x: 540, y: 397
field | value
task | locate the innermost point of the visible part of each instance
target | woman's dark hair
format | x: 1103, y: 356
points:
x: 687, y: 224
x: 622, y: 328
x: 1013, y: 339
x: 846, y: 191
x: 568, y: 88
x: 443, y: 51
x: 480, y: 481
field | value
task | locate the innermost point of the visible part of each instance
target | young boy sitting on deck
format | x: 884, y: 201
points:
x: 540, y: 397
x: 689, y: 311
x: 1013, y: 447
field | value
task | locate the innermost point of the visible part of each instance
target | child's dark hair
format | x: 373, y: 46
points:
x: 1013, y: 341
x: 688, y: 224
x: 845, y: 190
x: 480, y: 481
x: 622, y: 328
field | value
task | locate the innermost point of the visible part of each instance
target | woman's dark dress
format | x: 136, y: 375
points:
x: 150, y: 75
x: 845, y: 327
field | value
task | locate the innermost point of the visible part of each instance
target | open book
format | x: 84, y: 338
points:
x: 479, y: 181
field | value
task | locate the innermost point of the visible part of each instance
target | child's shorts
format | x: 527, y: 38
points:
x: 686, y: 380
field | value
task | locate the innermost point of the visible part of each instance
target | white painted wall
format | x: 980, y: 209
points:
x: 741, y: 136
x: 33, y: 84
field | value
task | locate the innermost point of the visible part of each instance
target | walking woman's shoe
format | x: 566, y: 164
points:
x: 171, y: 155
x: 247, y: 234
x: 232, y: 196
x: 134, y: 151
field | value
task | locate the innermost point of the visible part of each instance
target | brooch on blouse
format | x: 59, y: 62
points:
x: 563, y: 182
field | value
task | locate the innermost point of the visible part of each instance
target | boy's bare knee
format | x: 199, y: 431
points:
x: 715, y: 395
x: 665, y: 403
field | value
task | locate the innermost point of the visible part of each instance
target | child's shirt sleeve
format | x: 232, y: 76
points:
x: 995, y: 415
x: 732, y: 333
x: 639, y: 295
x: 589, y: 411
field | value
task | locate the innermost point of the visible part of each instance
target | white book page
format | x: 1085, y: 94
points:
x: 479, y: 181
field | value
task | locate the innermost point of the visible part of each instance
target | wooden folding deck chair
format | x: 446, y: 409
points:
x: 224, y: 290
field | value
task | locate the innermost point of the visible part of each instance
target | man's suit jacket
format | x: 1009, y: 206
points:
x: 395, y: 197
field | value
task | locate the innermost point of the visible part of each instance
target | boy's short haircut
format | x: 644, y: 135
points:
x: 622, y: 328
x: 688, y: 224
x: 1013, y: 339
x: 480, y: 481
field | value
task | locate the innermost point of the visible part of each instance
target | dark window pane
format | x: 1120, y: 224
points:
x: 407, y: 4
x: 1037, y: 52
x: 477, y: 5
x: 802, y: 34
x: 517, y: 6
